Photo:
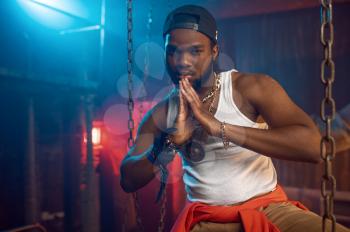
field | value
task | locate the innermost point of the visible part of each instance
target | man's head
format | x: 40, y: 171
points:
x: 190, y: 36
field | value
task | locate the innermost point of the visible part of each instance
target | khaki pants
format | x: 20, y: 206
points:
x: 287, y: 217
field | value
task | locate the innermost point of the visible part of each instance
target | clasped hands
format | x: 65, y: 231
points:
x: 191, y: 105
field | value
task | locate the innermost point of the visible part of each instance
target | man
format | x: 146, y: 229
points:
x: 221, y: 124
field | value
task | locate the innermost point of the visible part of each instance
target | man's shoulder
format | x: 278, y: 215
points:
x: 162, y: 105
x: 157, y: 114
x: 154, y: 119
x: 252, y: 82
x: 252, y: 86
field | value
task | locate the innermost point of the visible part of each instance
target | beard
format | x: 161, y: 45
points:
x: 198, y: 82
x: 202, y: 81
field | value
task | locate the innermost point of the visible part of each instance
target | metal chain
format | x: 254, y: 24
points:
x: 131, y: 105
x: 328, y: 110
x: 141, y: 108
x: 131, y: 124
x: 164, y: 199
x: 130, y: 74
x: 138, y: 208
x: 147, y: 57
x: 162, y: 212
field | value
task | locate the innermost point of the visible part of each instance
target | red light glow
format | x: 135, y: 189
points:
x: 96, y: 136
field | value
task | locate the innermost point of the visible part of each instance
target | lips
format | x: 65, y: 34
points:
x: 181, y: 76
x: 184, y: 75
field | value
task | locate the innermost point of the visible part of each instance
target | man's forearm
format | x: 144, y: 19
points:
x: 136, y: 172
x: 297, y: 142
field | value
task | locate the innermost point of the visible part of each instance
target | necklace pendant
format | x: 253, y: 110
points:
x: 194, y: 151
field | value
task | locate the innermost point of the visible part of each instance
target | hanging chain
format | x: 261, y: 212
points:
x: 147, y: 58
x: 328, y: 184
x: 138, y: 208
x: 130, y: 73
x: 131, y: 105
x: 164, y: 198
x: 131, y: 123
x: 141, y: 107
x: 162, y: 212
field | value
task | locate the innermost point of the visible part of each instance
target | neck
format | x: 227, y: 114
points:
x: 206, y: 86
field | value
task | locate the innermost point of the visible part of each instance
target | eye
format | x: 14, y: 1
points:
x: 196, y: 51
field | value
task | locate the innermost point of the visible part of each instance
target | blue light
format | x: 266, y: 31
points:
x: 55, y: 14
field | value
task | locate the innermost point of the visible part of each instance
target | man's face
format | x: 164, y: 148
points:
x: 190, y: 55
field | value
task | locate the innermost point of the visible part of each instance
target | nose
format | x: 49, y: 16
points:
x: 183, y: 59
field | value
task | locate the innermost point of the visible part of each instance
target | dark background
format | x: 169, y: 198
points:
x: 55, y: 83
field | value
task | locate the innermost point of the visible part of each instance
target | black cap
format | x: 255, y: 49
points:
x: 191, y: 17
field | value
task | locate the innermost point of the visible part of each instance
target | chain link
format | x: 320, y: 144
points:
x: 138, y: 208
x: 131, y: 123
x: 141, y: 107
x: 328, y: 110
x: 162, y: 212
x: 146, y: 59
x: 130, y: 74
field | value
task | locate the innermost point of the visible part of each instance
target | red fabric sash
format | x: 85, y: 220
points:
x: 252, y: 219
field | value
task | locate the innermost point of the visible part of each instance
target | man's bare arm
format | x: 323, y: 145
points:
x: 292, y: 135
x: 136, y: 169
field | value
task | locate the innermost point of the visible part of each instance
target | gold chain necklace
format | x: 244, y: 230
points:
x: 212, y: 93
x: 213, y: 90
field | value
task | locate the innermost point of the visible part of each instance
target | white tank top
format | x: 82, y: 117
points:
x: 225, y: 177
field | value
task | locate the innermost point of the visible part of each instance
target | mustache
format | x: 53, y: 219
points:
x: 187, y: 72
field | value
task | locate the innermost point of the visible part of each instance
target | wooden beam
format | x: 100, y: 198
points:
x: 239, y: 8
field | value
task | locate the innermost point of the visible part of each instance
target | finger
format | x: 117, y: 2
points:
x: 185, y: 93
x: 183, y: 102
x: 181, y: 96
x: 192, y: 92
x: 183, y: 106
x: 187, y: 97
x: 195, y: 95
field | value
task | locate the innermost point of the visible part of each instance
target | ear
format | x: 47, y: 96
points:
x: 215, y: 51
